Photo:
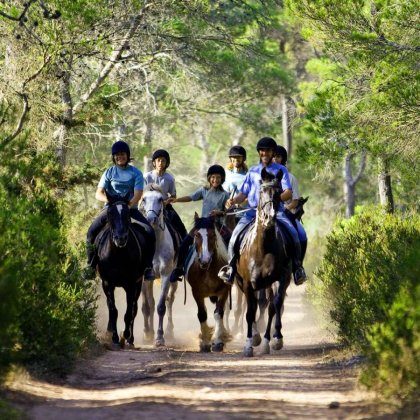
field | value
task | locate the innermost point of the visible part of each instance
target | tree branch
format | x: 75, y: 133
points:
x: 115, y: 57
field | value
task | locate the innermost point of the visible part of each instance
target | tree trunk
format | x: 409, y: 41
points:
x: 147, y: 160
x: 61, y: 134
x: 350, y: 181
x: 286, y: 127
x: 384, y: 183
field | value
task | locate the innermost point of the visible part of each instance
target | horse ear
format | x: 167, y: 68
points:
x: 279, y: 175
x: 196, y: 216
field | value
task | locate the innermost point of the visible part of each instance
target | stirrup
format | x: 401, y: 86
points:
x: 149, y: 274
x: 226, y: 274
x: 300, y: 276
x: 176, y: 275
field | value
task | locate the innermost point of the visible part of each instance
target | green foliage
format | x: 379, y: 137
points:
x: 394, y: 347
x: 48, y: 313
x: 370, y: 279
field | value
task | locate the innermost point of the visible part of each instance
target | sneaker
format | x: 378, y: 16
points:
x: 226, y: 274
x: 149, y: 274
x: 88, y: 273
x: 300, y: 276
x: 177, y: 275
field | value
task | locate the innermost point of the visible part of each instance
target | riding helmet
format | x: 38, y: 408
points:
x: 120, y: 146
x: 237, y: 151
x: 161, y: 153
x: 266, y: 143
x: 216, y: 169
x: 281, y: 151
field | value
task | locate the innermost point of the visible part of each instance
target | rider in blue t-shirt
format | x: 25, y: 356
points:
x: 250, y: 189
x: 118, y: 181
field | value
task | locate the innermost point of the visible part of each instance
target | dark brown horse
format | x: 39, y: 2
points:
x: 121, y: 264
x: 209, y: 256
x: 264, y: 264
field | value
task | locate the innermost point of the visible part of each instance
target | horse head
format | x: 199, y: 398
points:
x: 153, y: 204
x: 269, y: 199
x: 205, y: 240
x: 119, y: 219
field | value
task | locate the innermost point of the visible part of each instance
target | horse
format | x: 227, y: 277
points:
x: 120, y: 264
x: 264, y: 264
x: 163, y: 263
x: 209, y: 255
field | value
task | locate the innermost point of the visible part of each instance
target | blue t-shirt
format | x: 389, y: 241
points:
x: 212, y: 199
x: 166, y: 182
x: 251, y: 185
x: 119, y: 181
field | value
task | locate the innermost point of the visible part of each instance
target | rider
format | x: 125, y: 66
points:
x: 118, y: 180
x: 280, y: 156
x: 214, y: 200
x: 166, y: 181
x: 235, y: 173
x: 250, y: 189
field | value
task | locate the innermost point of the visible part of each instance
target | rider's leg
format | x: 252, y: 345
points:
x: 298, y: 271
x: 178, y: 272
x: 227, y: 273
x: 302, y: 238
x: 149, y: 250
x: 176, y: 221
x: 92, y: 233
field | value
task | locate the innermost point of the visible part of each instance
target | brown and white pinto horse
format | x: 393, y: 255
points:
x: 263, y: 264
x: 209, y: 256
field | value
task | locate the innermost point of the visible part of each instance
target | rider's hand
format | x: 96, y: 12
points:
x: 229, y: 203
x: 216, y: 213
x: 170, y: 200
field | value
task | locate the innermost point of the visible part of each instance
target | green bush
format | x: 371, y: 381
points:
x: 394, y: 349
x: 370, y: 280
x: 47, y: 314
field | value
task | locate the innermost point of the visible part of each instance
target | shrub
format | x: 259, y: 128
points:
x: 370, y: 280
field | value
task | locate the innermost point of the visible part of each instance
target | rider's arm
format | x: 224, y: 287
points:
x: 136, y: 198
x: 286, y: 195
x: 100, y: 195
x: 185, y: 199
x: 238, y: 199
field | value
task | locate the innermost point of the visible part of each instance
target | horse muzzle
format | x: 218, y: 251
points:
x: 120, y: 242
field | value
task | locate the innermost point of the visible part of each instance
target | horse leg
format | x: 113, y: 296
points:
x: 220, y: 333
x: 112, y: 312
x: 161, y: 310
x: 277, y: 343
x: 206, y: 331
x: 170, y: 298
x: 265, y: 347
x: 238, y: 312
x: 262, y: 305
x: 250, y: 319
x: 148, y: 309
x: 132, y: 295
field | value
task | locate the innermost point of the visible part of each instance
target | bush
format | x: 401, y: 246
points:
x: 47, y: 314
x: 369, y: 275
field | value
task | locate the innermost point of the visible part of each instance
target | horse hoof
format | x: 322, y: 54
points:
x: 248, y: 352
x: 217, y: 347
x: 256, y: 340
x: 277, y: 344
x: 148, y: 338
x: 114, y: 347
x: 205, y: 348
x: 265, y: 348
x: 160, y: 342
x: 131, y: 346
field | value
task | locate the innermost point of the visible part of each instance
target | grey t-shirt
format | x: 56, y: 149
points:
x: 166, y: 182
x: 212, y: 199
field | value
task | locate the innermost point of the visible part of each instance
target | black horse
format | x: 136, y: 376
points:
x: 120, y: 247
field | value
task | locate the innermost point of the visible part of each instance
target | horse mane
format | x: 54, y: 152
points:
x: 204, y: 223
x: 153, y: 187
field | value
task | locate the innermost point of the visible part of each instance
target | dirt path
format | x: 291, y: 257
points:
x: 177, y: 382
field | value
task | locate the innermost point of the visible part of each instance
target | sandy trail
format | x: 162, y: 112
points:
x: 177, y: 382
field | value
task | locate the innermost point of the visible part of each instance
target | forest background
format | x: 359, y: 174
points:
x: 335, y: 82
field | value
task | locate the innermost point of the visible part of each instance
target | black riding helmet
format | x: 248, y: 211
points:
x: 216, y: 169
x: 120, y: 146
x: 237, y: 151
x: 266, y: 143
x: 281, y: 151
x: 161, y: 153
